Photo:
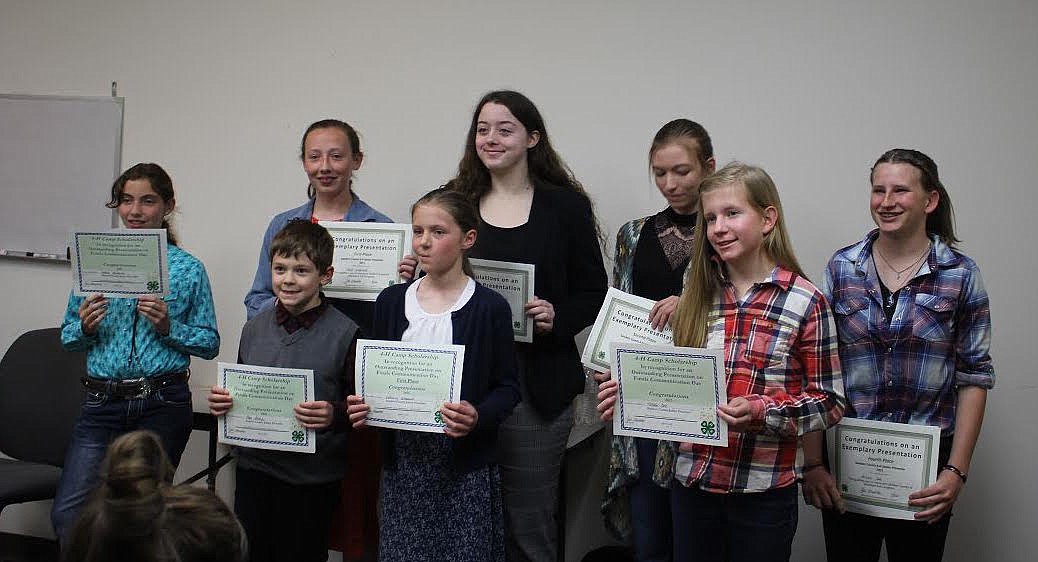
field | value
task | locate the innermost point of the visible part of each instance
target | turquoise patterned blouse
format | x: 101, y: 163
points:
x: 120, y: 351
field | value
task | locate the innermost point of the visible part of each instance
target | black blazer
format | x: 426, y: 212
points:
x: 563, y: 246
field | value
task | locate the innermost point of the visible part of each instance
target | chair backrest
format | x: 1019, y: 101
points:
x: 40, y: 397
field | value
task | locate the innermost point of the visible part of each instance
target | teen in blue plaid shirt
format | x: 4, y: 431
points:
x: 915, y: 329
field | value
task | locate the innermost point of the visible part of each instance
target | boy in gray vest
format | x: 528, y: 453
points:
x: 285, y: 499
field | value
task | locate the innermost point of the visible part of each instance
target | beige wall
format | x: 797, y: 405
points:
x: 219, y: 93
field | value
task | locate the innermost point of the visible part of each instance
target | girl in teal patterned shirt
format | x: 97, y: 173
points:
x: 138, y: 350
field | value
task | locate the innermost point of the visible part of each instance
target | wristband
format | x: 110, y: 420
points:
x: 810, y: 466
x: 957, y: 472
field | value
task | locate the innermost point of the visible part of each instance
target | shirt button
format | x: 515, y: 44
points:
x: 890, y: 383
x: 890, y: 350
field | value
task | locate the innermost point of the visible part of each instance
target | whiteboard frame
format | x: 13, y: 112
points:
x: 49, y: 254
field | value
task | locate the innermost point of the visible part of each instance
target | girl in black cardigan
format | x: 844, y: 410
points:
x: 534, y: 211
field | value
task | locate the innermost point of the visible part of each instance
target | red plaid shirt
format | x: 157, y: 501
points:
x: 780, y: 349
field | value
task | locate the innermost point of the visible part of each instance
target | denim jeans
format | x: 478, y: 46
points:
x: 102, y: 418
x: 650, y: 508
x: 752, y: 527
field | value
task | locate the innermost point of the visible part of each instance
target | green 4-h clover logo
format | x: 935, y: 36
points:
x: 517, y: 324
x: 391, y: 283
x: 601, y: 355
x: 708, y: 428
x: 297, y: 436
x: 438, y: 417
x: 153, y: 285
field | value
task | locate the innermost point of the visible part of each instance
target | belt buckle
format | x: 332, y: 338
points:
x: 146, y: 388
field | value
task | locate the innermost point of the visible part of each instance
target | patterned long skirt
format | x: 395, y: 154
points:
x: 430, y: 512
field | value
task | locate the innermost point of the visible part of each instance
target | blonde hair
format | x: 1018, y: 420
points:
x: 703, y: 283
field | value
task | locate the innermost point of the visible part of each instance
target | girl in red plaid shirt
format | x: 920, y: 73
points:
x: 747, y: 294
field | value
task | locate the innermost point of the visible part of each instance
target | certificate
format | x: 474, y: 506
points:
x: 623, y: 318
x: 405, y: 384
x: 878, y: 464
x: 367, y: 257
x: 672, y: 393
x: 262, y: 416
x: 514, y: 281
x: 120, y: 262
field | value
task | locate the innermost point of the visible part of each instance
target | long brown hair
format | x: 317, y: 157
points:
x: 545, y: 166
x: 703, y: 284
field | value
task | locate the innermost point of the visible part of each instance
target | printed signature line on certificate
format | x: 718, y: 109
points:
x: 636, y: 416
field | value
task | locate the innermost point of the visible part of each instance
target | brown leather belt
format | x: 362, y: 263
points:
x: 133, y: 388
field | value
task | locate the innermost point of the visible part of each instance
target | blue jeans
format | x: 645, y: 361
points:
x: 102, y: 418
x: 757, y: 527
x: 650, y: 508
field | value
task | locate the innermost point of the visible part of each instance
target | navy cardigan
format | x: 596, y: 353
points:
x: 488, y: 379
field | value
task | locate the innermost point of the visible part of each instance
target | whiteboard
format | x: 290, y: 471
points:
x: 58, y: 158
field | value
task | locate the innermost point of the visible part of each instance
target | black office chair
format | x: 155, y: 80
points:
x: 40, y: 397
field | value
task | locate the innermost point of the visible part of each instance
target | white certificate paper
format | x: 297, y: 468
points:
x: 263, y: 416
x: 671, y: 393
x: 120, y: 262
x: 878, y: 464
x: 623, y: 318
x: 514, y: 281
x: 367, y: 257
x: 405, y: 384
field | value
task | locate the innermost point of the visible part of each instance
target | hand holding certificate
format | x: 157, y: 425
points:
x: 263, y: 412
x: 878, y: 464
x: 671, y: 393
x: 119, y: 262
x: 514, y: 281
x: 406, y: 384
x: 366, y: 257
x: 623, y: 318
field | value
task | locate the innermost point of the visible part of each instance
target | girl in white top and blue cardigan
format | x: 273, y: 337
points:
x: 441, y: 493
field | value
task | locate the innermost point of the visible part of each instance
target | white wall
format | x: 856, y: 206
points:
x: 814, y: 91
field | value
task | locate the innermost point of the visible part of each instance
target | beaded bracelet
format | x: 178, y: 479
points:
x: 957, y: 472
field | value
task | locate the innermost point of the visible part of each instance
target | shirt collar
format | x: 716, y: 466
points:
x: 359, y: 211
x: 291, y: 322
x: 941, y: 255
x: 779, y: 276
